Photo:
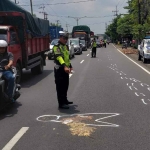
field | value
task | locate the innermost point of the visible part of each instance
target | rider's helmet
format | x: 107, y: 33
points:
x: 3, y: 43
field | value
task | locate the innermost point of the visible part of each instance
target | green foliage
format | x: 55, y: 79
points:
x: 129, y: 23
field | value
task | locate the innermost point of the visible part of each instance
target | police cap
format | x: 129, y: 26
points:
x: 63, y: 34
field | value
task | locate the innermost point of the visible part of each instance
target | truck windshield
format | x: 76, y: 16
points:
x: 75, y: 42
x: 3, y: 34
x: 79, y: 35
x: 82, y: 41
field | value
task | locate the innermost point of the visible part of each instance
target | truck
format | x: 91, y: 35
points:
x: 54, y: 32
x: 82, y: 32
x: 27, y: 36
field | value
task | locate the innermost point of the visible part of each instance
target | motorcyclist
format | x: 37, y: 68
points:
x: 6, y: 62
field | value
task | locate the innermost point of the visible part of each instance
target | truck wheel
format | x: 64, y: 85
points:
x: 139, y: 56
x: 19, y: 73
x: 49, y: 57
x: 38, y: 69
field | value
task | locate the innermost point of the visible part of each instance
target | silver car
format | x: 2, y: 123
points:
x: 71, y: 48
x: 50, y: 53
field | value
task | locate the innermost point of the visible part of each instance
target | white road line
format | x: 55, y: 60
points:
x: 87, y: 54
x: 135, y: 62
x: 81, y: 61
x: 16, y: 138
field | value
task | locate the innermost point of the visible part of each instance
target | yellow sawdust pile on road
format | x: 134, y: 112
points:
x: 77, y: 127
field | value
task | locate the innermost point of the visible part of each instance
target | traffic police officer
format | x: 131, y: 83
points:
x: 62, y: 69
x: 94, y: 45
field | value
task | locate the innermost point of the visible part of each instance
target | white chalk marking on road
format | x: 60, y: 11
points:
x: 148, y: 89
x: 142, y: 84
x: 81, y: 61
x: 126, y: 78
x: 143, y: 101
x: 87, y: 54
x: 148, y: 99
x: 16, y: 138
x: 127, y: 84
x: 59, y: 119
x: 136, y: 94
x: 121, y: 77
x: 142, y: 94
x: 130, y: 88
x: 135, y: 62
x: 145, y: 84
x: 121, y: 74
x: 135, y: 88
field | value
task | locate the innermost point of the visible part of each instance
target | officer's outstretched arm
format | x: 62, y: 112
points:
x: 58, y: 56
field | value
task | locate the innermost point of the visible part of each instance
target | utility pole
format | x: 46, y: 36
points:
x: 116, y: 11
x: 106, y: 26
x: 77, y: 18
x: 57, y: 28
x: 67, y: 25
x: 43, y: 12
x: 31, y: 7
x: 46, y: 16
x: 16, y: 2
x: 139, y: 12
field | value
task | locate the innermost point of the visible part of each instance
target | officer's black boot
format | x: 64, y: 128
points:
x: 63, y: 106
x: 68, y: 102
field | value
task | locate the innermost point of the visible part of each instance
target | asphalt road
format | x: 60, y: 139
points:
x: 111, y: 94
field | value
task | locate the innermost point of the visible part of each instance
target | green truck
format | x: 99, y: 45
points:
x: 82, y: 32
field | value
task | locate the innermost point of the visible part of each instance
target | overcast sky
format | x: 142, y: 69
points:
x: 98, y: 8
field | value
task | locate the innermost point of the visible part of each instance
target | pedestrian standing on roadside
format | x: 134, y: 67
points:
x: 62, y: 70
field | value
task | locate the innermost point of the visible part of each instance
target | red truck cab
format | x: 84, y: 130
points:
x: 28, y: 51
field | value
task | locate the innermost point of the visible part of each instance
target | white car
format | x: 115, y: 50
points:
x: 71, y: 49
x: 144, y: 50
x: 50, y: 53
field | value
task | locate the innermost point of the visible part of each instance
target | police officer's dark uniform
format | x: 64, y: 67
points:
x: 61, y: 59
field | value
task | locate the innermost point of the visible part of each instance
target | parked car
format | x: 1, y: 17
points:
x: 76, y: 43
x: 144, y: 50
x: 83, y: 45
x: 50, y: 53
x: 71, y: 48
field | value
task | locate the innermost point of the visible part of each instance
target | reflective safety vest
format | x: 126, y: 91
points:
x: 94, y: 44
x: 61, y: 55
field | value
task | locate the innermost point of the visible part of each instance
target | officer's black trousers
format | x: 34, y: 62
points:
x: 62, y: 84
x: 94, y: 52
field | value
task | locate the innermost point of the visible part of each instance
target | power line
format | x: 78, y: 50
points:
x: 62, y: 3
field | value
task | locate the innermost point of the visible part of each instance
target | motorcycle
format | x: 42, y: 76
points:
x: 4, y: 99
